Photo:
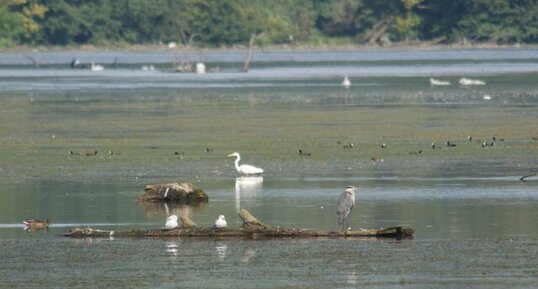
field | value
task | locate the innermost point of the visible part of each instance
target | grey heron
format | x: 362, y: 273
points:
x: 245, y: 169
x: 345, y: 204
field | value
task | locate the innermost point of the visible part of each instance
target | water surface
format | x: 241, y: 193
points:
x: 474, y: 220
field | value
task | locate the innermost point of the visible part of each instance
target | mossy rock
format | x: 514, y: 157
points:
x: 184, y: 193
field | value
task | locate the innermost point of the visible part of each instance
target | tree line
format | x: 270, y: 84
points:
x: 233, y: 22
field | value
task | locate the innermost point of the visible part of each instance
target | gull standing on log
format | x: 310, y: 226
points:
x: 220, y: 223
x: 171, y: 222
x: 245, y: 170
x: 345, y: 204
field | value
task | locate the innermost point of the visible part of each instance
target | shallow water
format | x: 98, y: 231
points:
x: 474, y: 220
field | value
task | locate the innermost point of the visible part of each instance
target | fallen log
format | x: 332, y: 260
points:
x: 252, y: 228
x: 184, y: 193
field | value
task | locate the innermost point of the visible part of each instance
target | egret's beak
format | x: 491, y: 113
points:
x: 231, y: 155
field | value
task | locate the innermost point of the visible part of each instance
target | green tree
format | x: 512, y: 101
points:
x: 80, y: 21
x: 498, y: 21
x: 147, y: 21
x: 19, y: 20
x: 369, y: 20
x: 232, y: 22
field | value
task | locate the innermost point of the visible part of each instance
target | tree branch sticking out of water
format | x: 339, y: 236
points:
x: 527, y: 176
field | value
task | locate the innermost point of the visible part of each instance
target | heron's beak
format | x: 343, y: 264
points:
x: 230, y: 155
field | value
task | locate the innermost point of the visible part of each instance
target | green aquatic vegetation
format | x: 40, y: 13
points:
x: 176, y: 138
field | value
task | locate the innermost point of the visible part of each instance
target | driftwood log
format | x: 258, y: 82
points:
x: 252, y: 228
x: 184, y: 193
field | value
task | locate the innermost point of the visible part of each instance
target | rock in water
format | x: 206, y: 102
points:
x: 185, y: 193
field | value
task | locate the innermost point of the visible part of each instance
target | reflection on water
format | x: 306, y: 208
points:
x: 161, y: 210
x: 172, y: 247
x: 475, y: 222
x: 220, y: 248
x: 247, y: 187
x: 352, y: 277
x: 248, y: 254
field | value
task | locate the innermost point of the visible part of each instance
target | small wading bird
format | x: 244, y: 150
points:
x: 220, y: 223
x: 345, y: 204
x: 171, y: 222
x: 33, y: 224
x: 346, y: 83
x: 246, y: 170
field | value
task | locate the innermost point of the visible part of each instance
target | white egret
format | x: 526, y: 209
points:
x: 346, y: 83
x: 435, y: 82
x: 246, y: 170
x: 220, y: 223
x: 468, y: 81
x: 345, y: 204
x: 171, y: 222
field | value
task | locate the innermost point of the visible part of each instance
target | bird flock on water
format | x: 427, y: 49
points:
x: 346, y: 201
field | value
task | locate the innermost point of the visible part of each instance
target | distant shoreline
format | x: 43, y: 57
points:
x: 298, y: 47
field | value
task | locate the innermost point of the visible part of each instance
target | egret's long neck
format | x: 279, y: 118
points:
x: 237, y: 164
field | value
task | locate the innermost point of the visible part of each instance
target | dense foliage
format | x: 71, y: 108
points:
x: 230, y: 22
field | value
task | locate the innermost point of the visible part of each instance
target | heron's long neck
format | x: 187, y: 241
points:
x: 237, y: 164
